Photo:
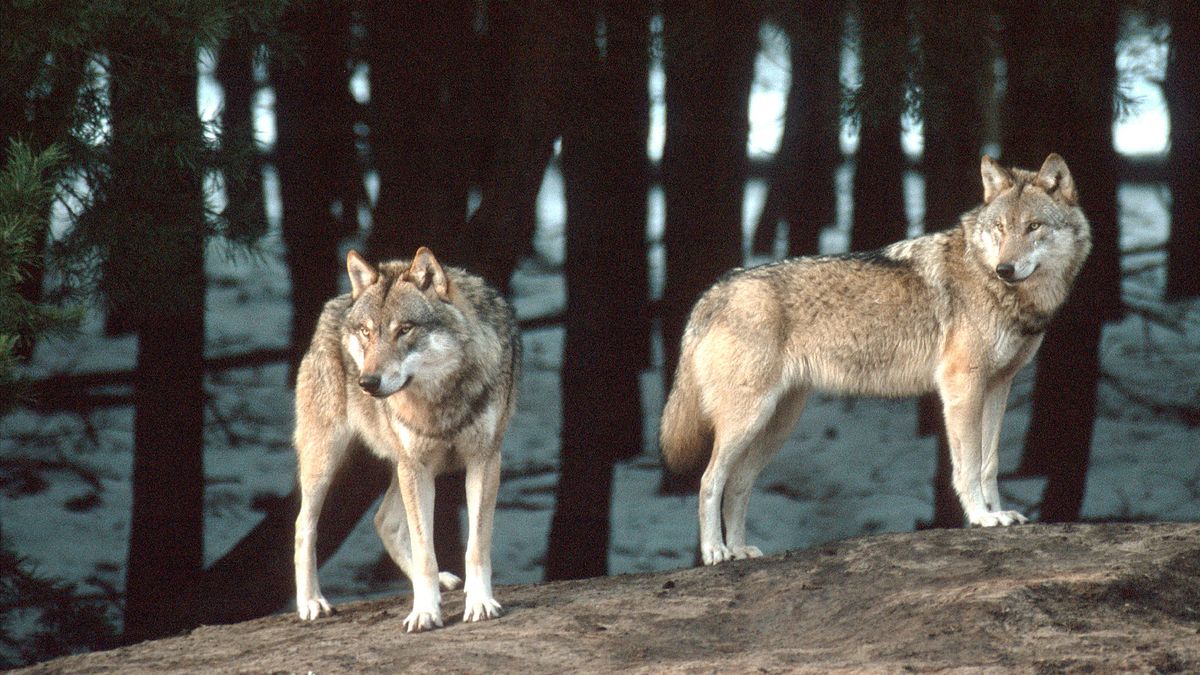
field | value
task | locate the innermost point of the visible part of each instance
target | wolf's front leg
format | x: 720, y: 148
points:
x: 993, y: 415
x: 483, y: 482
x: 310, y: 603
x: 319, y: 454
x: 416, y: 487
x: 962, y: 392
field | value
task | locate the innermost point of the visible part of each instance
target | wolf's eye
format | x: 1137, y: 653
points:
x: 364, y: 331
x: 402, y: 329
x: 1035, y: 225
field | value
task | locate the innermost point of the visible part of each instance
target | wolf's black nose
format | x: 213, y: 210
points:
x: 1005, y: 271
x: 369, y: 383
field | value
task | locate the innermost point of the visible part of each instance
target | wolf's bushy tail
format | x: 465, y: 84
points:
x: 686, y: 434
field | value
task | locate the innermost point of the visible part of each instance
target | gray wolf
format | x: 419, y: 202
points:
x: 958, y: 312
x: 419, y: 362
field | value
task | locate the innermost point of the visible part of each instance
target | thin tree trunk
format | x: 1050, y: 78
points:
x: 879, y: 217
x: 802, y: 191
x: 708, y: 77
x: 235, y: 72
x: 1182, y: 89
x: 1060, y: 98
x: 605, y: 173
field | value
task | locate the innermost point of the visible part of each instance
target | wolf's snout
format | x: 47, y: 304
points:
x: 1006, y: 271
x: 370, y: 383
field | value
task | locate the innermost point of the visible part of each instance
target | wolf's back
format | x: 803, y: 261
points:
x: 686, y: 434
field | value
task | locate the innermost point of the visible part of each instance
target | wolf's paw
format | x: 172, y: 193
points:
x: 715, y: 553
x: 743, y: 552
x: 481, y: 608
x: 313, y: 608
x: 998, y: 518
x: 449, y: 581
x: 418, y: 621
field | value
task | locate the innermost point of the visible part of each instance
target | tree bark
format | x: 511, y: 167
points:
x: 235, y: 72
x: 525, y: 43
x: 607, y: 331
x: 319, y: 180
x: 802, y: 191
x: 156, y: 265
x: 1182, y: 89
x: 879, y: 217
x: 420, y: 54
x: 1061, y: 83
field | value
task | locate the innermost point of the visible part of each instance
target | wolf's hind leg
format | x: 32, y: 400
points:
x: 319, y: 453
x: 736, y: 427
x: 757, y: 455
x: 392, y: 526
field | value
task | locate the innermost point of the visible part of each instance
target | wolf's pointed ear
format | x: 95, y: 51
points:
x: 1055, y: 178
x: 361, y: 274
x: 996, y: 179
x: 426, y: 273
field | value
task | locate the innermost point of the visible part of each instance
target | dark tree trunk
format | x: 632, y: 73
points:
x: 802, y: 190
x: 708, y: 77
x: 605, y: 171
x: 879, y: 165
x: 957, y: 81
x: 157, y: 268
x: 1182, y: 89
x: 1061, y: 83
x: 526, y: 51
x: 319, y: 180
x: 235, y: 72
x: 420, y: 54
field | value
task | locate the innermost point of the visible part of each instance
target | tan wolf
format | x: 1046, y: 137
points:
x: 958, y: 312
x: 420, y: 363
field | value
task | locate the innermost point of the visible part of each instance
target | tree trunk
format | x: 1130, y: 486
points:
x: 802, y: 190
x: 1182, y: 89
x: 1061, y: 82
x: 879, y: 217
x: 955, y: 89
x: 319, y: 178
x: 605, y: 173
x: 235, y: 72
x: 708, y: 78
x: 420, y: 81
x: 157, y: 267
x: 525, y: 44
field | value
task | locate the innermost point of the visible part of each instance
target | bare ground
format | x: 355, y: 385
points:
x: 1039, y: 598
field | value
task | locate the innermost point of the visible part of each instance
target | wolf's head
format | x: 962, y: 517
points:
x: 400, y: 329
x: 1030, y: 223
